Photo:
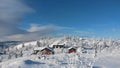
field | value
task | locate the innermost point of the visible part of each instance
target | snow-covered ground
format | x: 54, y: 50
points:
x: 108, y: 59
x: 91, y: 53
x: 107, y: 62
x: 54, y: 61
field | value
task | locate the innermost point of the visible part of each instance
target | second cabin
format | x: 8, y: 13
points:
x: 59, y: 46
x: 72, y: 50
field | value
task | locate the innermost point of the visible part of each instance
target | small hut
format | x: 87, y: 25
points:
x: 72, y: 50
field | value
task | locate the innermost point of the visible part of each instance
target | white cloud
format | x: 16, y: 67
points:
x: 37, y: 27
x: 11, y: 13
x: 12, y: 10
x: 35, y: 32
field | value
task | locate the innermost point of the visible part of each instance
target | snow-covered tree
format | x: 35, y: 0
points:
x: 38, y: 44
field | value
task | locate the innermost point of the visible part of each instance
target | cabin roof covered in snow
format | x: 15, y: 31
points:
x: 41, y: 48
x: 72, y: 47
x: 57, y: 45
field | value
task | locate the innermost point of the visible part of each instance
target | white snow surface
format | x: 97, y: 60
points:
x: 103, y: 53
x: 108, y: 59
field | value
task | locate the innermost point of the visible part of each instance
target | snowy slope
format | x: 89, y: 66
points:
x: 66, y: 61
x: 108, y: 58
x: 108, y: 62
x: 91, y: 53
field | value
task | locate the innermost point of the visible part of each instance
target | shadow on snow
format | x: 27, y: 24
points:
x: 29, y: 62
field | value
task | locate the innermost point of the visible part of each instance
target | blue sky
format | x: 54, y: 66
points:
x: 93, y: 18
x: 101, y: 17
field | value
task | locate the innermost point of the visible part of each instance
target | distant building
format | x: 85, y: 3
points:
x: 59, y: 46
x: 72, y: 50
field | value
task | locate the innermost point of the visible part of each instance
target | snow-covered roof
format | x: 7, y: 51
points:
x: 39, y: 48
x: 57, y: 45
x: 88, y: 48
x: 72, y: 47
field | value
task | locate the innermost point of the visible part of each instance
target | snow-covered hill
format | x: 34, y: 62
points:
x: 89, y: 52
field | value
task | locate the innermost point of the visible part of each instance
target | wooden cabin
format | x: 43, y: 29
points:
x: 47, y: 51
x: 59, y: 46
x: 43, y: 50
x: 72, y: 50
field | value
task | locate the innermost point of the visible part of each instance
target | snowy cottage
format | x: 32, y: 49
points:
x: 72, y: 50
x: 47, y: 51
x: 43, y: 50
